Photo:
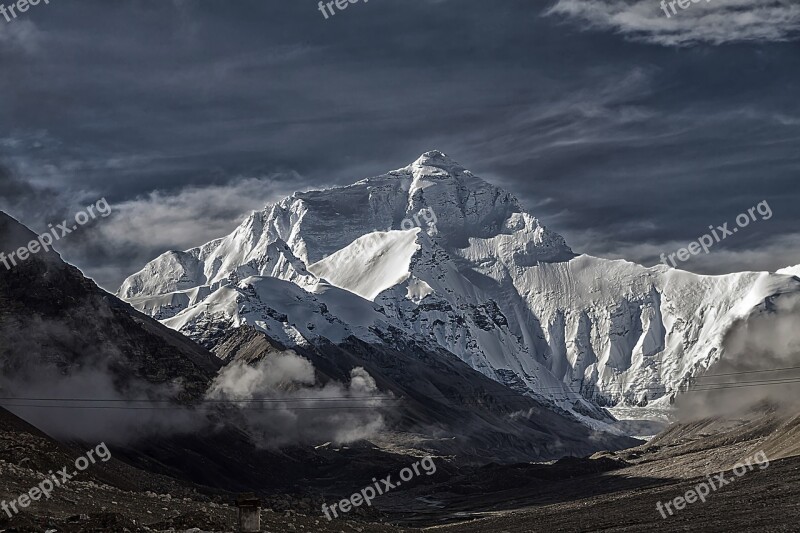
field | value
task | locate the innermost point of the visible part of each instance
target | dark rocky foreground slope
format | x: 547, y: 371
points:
x: 52, y: 318
x: 114, y: 497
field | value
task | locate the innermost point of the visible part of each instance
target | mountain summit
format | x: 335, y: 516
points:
x: 463, y: 267
x: 316, y: 224
x: 438, y: 159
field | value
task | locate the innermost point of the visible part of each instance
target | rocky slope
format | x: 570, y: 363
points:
x: 52, y: 317
x: 436, y: 403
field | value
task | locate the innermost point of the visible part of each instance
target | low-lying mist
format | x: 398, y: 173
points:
x: 276, y: 400
x: 294, y: 407
x: 760, y: 366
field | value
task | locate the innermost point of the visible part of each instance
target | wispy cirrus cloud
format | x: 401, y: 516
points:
x: 714, y: 22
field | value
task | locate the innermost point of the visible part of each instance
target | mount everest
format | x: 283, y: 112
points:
x: 486, y: 281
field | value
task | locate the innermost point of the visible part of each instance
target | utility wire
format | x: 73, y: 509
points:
x: 618, y: 388
x: 575, y: 395
x: 173, y: 407
x: 748, y: 372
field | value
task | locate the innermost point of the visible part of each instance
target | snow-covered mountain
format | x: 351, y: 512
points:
x: 63, y: 337
x: 462, y: 267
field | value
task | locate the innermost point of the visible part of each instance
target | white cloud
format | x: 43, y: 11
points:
x: 296, y: 408
x: 191, y: 216
x: 714, y: 21
x: 20, y: 35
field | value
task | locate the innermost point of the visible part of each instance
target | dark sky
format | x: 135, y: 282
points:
x: 626, y: 131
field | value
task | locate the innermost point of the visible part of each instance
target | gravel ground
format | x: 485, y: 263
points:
x: 760, y: 501
x: 612, y: 492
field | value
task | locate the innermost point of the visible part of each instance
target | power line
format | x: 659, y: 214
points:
x: 376, y: 400
x: 174, y: 407
x: 251, y: 400
x: 790, y: 380
x: 618, y: 388
x: 748, y: 372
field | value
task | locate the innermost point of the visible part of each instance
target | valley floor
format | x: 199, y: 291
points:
x: 612, y: 491
x: 767, y: 501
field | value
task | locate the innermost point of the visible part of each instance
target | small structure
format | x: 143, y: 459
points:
x: 249, y: 513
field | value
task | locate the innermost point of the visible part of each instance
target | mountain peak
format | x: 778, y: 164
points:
x: 434, y: 193
x: 437, y: 159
